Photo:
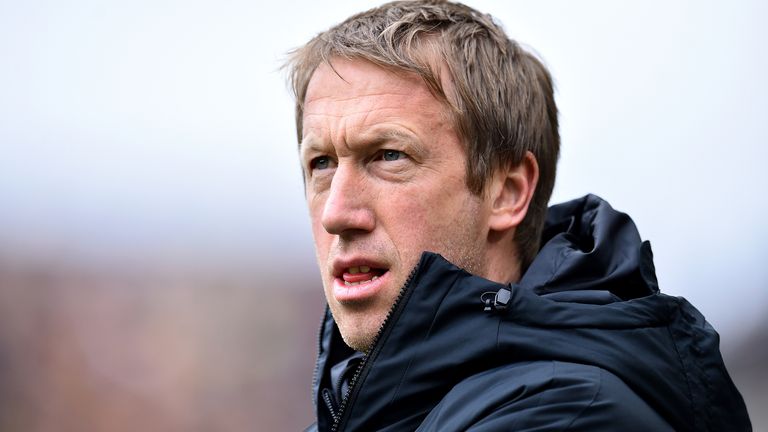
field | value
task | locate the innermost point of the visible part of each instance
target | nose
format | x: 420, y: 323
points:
x: 348, y: 207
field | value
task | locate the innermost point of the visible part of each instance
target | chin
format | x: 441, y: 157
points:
x: 360, y: 343
x: 358, y: 335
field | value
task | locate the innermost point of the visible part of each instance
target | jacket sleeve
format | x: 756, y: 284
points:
x: 544, y: 396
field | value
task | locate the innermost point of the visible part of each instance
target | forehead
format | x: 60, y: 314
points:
x: 352, y: 80
x: 349, y: 96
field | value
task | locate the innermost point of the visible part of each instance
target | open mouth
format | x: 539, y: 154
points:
x: 360, y: 275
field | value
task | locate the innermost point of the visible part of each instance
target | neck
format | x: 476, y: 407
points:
x: 502, y: 261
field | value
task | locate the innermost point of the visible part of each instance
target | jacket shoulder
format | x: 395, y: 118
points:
x: 543, y: 395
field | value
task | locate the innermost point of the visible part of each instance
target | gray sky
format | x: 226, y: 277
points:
x: 166, y: 126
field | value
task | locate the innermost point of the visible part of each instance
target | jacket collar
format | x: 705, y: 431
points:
x: 591, y: 293
x: 440, y: 336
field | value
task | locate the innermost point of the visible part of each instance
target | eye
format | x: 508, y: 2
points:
x: 392, y: 155
x: 320, y: 163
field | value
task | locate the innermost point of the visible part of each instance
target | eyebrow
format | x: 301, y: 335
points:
x: 375, y: 137
x: 308, y: 145
x: 390, y: 135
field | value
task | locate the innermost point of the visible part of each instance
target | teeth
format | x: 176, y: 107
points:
x: 356, y: 270
x: 361, y: 282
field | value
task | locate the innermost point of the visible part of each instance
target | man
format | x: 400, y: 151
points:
x: 429, y: 143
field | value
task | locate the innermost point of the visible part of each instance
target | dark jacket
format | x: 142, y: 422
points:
x: 583, y: 342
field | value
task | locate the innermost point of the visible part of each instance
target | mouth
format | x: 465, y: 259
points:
x: 358, y: 282
x: 360, y: 275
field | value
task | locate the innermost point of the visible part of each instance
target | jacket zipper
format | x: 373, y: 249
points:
x: 315, y: 374
x: 352, y: 392
x: 328, y: 399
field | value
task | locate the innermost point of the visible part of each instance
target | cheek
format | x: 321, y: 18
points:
x: 315, y: 205
x: 322, y: 239
x: 413, y: 224
x: 429, y: 219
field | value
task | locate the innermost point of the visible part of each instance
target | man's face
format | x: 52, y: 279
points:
x: 385, y: 181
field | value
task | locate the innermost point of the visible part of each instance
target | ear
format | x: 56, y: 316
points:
x: 511, y: 192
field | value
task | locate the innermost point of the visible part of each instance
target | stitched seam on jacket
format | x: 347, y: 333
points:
x: 686, y: 372
x: 589, y: 405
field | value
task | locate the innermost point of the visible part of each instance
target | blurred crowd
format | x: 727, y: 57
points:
x: 188, y: 347
x: 157, y: 349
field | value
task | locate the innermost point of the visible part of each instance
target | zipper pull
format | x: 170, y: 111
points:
x: 496, y: 301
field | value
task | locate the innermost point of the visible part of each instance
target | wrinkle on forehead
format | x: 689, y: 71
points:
x: 337, y: 99
x: 345, y: 98
x: 318, y: 112
x: 407, y: 81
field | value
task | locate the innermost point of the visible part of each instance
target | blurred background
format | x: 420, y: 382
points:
x: 156, y: 261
